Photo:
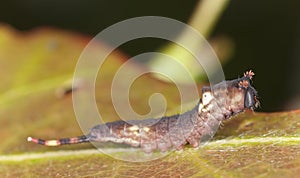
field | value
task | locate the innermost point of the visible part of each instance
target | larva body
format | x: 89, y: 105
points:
x: 217, y: 104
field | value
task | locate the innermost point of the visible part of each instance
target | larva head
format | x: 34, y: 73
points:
x: 234, y: 96
x: 250, y: 98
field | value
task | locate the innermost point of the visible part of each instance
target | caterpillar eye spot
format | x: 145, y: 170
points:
x: 207, y: 97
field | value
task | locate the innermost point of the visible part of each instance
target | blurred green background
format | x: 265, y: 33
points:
x: 265, y: 34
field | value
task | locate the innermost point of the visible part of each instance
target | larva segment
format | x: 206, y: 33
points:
x: 188, y: 121
x: 162, y: 135
x: 218, y: 103
x: 62, y: 141
x: 175, y: 133
x: 148, y: 141
x: 117, y: 132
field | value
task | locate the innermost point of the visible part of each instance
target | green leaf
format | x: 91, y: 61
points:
x: 36, y: 70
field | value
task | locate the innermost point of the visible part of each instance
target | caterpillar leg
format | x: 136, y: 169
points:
x: 62, y: 141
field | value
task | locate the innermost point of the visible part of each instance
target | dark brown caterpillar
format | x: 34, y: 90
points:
x: 218, y: 103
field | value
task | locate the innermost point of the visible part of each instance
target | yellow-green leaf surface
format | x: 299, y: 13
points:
x: 36, y: 68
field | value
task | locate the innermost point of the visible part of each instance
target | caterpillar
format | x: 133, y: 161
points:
x: 218, y: 103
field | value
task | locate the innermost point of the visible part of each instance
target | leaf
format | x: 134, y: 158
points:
x: 37, y: 68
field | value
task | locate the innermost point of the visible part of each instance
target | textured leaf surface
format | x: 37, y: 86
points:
x: 37, y: 66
